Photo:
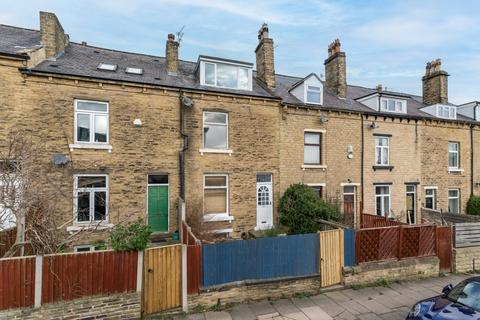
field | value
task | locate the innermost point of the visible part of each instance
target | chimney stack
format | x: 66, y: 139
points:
x: 53, y: 37
x: 171, y: 54
x: 265, y: 58
x: 335, y: 70
x: 435, y: 83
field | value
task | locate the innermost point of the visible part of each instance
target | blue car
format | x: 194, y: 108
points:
x: 459, y: 303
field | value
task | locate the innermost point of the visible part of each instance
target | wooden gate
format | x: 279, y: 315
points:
x: 162, y: 279
x: 331, y: 257
x: 444, y: 248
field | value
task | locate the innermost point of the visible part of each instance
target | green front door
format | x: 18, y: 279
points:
x: 158, y: 208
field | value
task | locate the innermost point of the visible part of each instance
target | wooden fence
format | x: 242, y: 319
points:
x: 17, y: 282
x: 331, y: 257
x: 72, y: 276
x: 466, y: 235
x: 194, y: 268
x: 395, y: 242
x: 374, y: 221
x: 65, y: 277
x: 260, y: 259
x: 444, y: 248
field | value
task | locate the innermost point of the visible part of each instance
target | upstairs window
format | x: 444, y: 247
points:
x: 226, y: 75
x: 313, y: 94
x: 393, y: 105
x: 312, y: 148
x: 215, y: 130
x: 453, y: 159
x: 90, y: 198
x: 382, y: 150
x: 447, y: 112
x: 91, y: 122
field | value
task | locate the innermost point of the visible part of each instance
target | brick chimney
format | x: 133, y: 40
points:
x: 53, y: 37
x: 265, y: 58
x: 435, y: 83
x: 335, y: 70
x: 171, y: 54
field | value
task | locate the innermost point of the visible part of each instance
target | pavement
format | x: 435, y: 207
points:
x: 371, y: 303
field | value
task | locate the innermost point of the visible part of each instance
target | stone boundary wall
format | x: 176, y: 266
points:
x: 255, y: 291
x: 405, y: 269
x: 118, y: 306
x: 466, y: 259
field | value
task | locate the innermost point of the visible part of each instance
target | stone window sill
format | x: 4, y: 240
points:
x: 89, y: 226
x: 97, y: 146
x: 375, y: 168
x: 222, y: 151
x: 215, y: 217
x: 455, y: 170
x: 314, y: 166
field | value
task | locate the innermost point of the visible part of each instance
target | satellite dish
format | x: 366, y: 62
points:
x: 186, y: 101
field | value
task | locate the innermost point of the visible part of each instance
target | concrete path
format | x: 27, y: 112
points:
x: 373, y: 303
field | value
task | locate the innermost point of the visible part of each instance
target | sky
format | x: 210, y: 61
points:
x: 386, y: 42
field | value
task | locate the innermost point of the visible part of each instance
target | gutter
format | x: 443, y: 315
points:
x: 20, y: 56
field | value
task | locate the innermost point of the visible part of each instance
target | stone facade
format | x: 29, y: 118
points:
x: 171, y: 54
x: 336, y: 70
x: 53, y: 37
x: 406, y: 269
x: 265, y: 58
x: 435, y: 83
x: 112, y: 307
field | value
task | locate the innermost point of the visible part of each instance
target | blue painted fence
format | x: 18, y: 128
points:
x: 349, y: 247
x: 267, y: 258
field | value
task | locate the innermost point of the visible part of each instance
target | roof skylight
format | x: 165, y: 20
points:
x: 107, y: 67
x: 134, y: 70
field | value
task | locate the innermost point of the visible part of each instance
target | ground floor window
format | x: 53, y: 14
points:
x: 90, y: 198
x: 454, y: 200
x: 430, y: 198
x: 382, y: 200
x: 85, y: 248
x: 318, y: 190
x: 215, y: 194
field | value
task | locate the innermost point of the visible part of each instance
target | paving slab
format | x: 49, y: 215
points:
x: 197, y: 316
x: 285, y: 306
x: 369, y: 316
x: 217, y: 315
x: 296, y: 316
x: 328, y: 305
x: 242, y: 312
x: 354, y: 307
x: 303, y: 302
x: 263, y: 307
x: 346, y: 315
x: 315, y: 313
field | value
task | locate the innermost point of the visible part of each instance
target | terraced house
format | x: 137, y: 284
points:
x: 229, y: 136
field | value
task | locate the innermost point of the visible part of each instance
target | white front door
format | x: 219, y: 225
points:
x: 264, y: 201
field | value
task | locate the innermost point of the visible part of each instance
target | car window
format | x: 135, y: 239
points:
x: 467, y: 293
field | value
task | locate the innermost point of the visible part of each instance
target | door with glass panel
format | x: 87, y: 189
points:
x: 349, y: 204
x: 410, y: 203
x: 264, y: 201
x: 157, y: 204
x: 382, y: 201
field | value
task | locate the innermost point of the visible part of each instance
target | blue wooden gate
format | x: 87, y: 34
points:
x: 349, y: 247
x: 267, y: 258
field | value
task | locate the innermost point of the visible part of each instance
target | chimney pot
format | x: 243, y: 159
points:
x: 84, y: 43
x: 335, y: 70
x: 379, y: 88
x: 171, y: 37
x: 265, y: 57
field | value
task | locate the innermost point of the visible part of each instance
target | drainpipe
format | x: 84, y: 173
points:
x: 361, y: 165
x: 184, y: 102
x: 471, y: 159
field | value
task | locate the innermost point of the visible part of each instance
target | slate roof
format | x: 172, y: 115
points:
x: 82, y: 60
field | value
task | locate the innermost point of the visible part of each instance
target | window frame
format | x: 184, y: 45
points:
x: 452, y: 111
x: 457, y: 152
x: 216, y: 124
x: 456, y: 197
x: 384, y: 196
x: 403, y: 105
x: 432, y: 196
x: 213, y: 216
x: 215, y: 64
x: 91, y: 115
x: 320, y: 93
x: 387, y: 147
x: 319, y: 145
x: 92, y: 191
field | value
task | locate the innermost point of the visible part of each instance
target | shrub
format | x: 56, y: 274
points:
x: 130, y: 237
x: 473, y: 205
x: 300, y: 208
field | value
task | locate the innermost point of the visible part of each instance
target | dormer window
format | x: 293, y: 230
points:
x: 447, y: 112
x: 393, y: 105
x: 225, y: 74
x: 314, y: 94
